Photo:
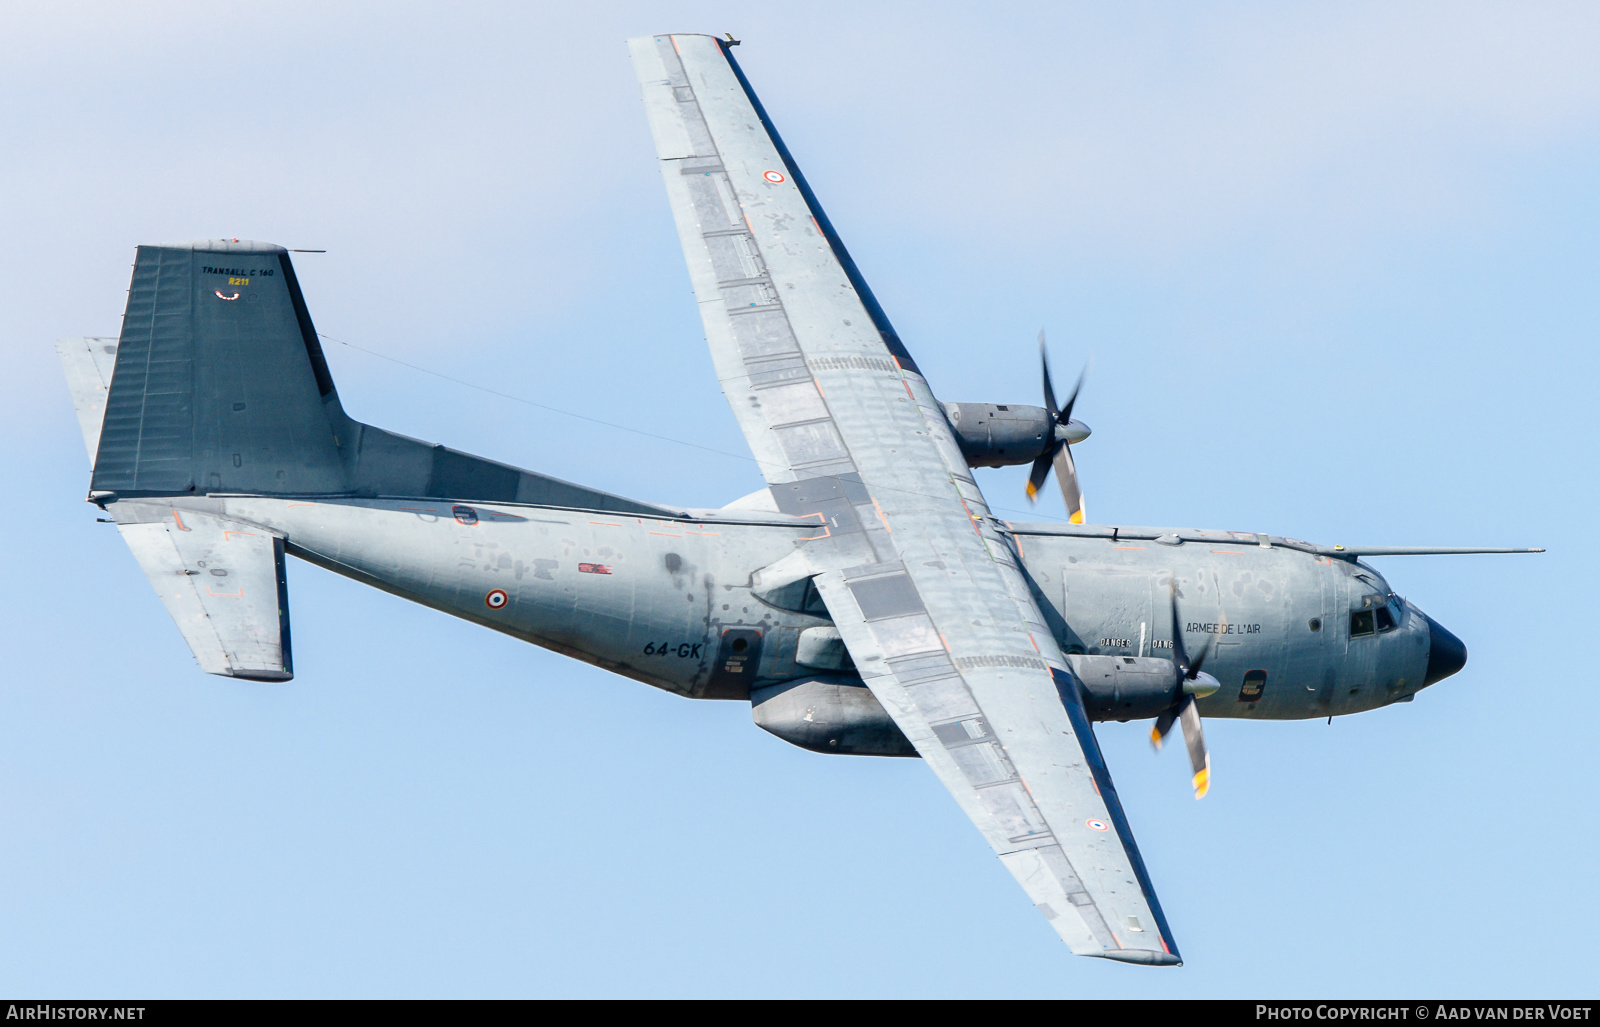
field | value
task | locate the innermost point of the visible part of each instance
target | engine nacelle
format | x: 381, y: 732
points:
x: 999, y: 435
x: 829, y: 714
x: 838, y: 714
x: 1131, y: 687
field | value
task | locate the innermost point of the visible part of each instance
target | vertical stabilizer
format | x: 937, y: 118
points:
x: 221, y: 388
x: 220, y: 382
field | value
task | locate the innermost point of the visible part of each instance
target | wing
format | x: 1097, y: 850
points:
x: 775, y: 285
x: 922, y: 582
x: 223, y: 583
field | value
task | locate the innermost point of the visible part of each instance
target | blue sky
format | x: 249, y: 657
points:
x: 1336, y: 265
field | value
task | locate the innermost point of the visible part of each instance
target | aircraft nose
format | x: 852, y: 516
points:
x: 1446, y: 653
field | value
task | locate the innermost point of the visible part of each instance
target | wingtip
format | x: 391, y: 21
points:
x: 1145, y: 957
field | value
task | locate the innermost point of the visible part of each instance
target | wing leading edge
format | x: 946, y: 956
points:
x: 922, y: 581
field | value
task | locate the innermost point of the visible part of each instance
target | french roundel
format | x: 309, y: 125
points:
x: 1098, y: 825
x: 496, y: 600
x: 774, y: 177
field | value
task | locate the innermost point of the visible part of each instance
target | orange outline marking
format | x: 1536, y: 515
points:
x: 181, y: 526
x: 226, y: 595
x: 826, y: 531
x: 227, y: 536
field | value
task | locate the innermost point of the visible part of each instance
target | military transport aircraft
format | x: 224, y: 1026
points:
x: 867, y: 601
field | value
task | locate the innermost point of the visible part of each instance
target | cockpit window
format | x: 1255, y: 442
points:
x: 1378, y: 613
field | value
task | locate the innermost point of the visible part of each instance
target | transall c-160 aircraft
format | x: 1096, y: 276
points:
x: 865, y: 602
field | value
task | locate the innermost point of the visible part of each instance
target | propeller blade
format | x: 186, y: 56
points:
x: 1187, y: 669
x: 1180, y: 656
x: 1066, y: 412
x: 1067, y: 478
x: 1036, y: 477
x: 1061, y: 414
x: 1049, y: 393
x: 1195, y: 740
x: 1163, y: 725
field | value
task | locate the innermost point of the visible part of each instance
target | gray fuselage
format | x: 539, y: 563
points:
x: 1291, y: 634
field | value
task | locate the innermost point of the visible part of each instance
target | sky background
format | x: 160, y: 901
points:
x: 1335, y: 262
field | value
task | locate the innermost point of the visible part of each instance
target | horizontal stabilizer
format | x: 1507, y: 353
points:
x: 88, y: 363
x: 222, y: 581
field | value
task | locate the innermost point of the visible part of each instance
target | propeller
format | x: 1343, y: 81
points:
x: 1189, y: 683
x: 1065, y: 432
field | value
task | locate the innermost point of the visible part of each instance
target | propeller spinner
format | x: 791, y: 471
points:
x: 1058, y: 454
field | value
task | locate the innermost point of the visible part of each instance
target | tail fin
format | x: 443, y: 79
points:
x: 221, y: 387
x: 220, y: 382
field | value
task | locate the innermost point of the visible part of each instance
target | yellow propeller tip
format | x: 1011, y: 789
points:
x: 1032, y: 491
x: 1155, y: 738
x: 1077, y: 517
x: 1202, y: 784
